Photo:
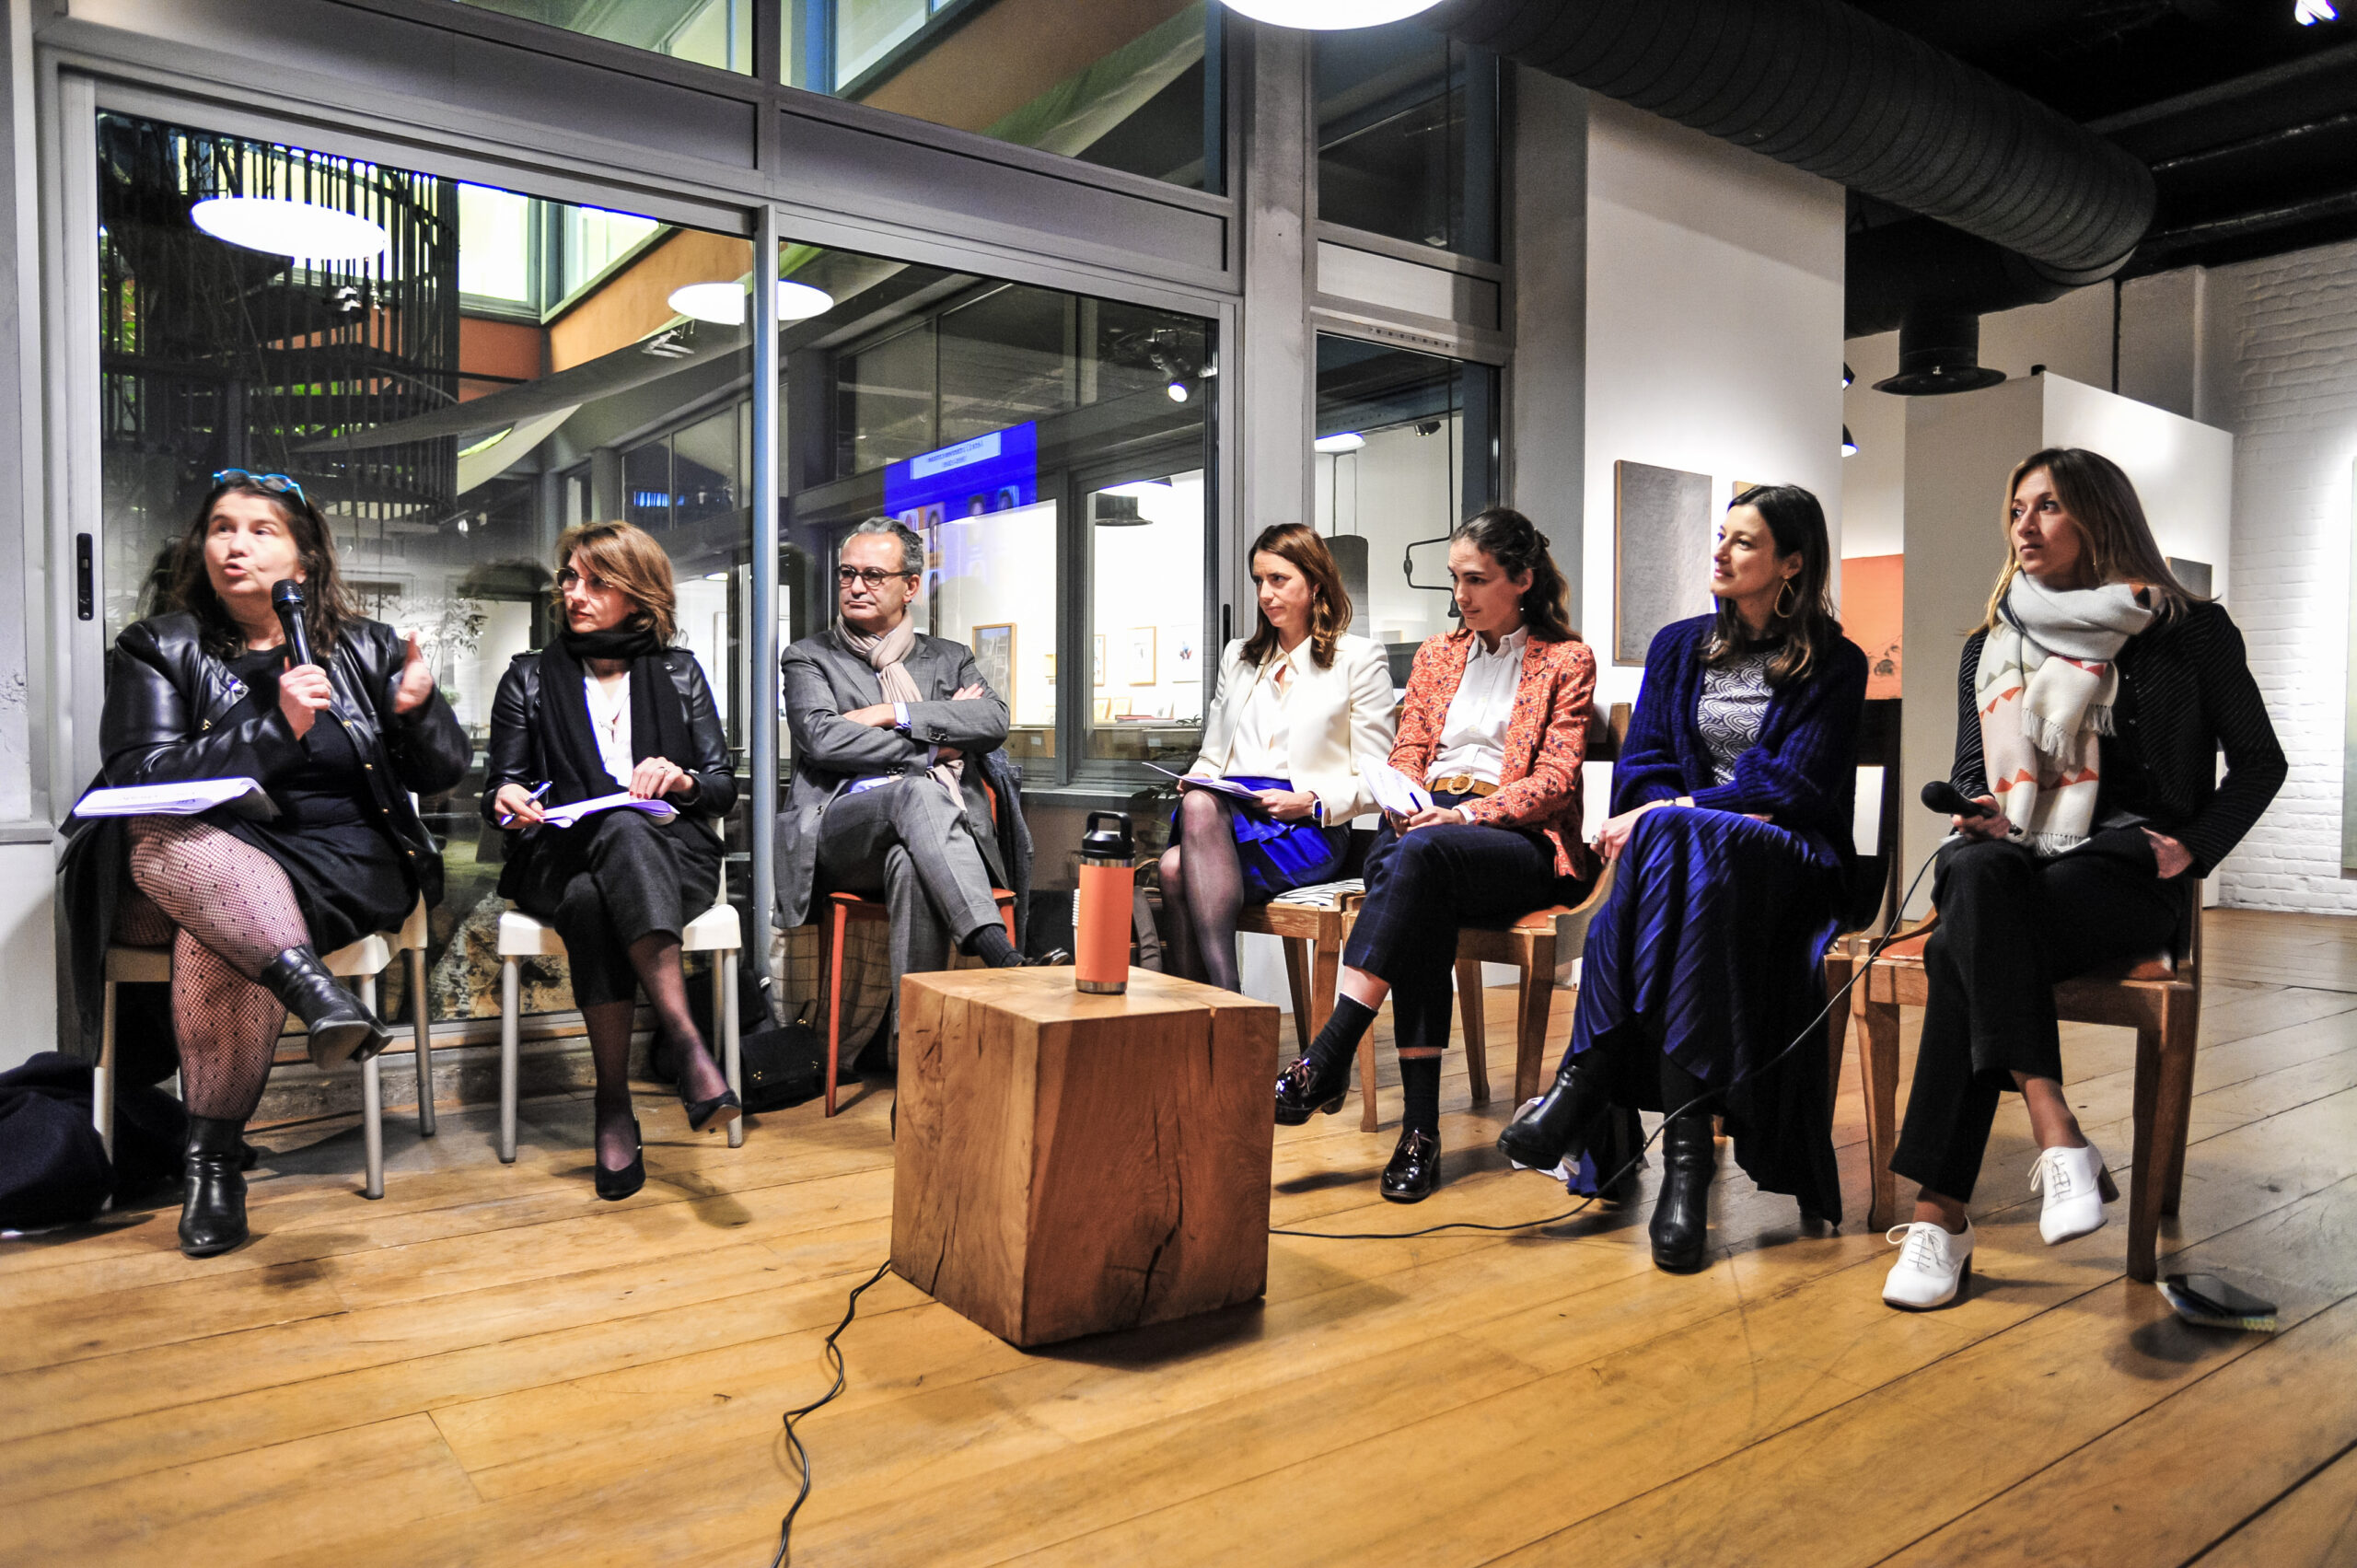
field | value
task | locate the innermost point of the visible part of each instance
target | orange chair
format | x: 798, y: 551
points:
x: 834, y: 924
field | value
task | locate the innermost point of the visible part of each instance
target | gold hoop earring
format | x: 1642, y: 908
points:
x: 1782, y: 614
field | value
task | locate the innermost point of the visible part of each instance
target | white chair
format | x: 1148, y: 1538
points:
x: 717, y: 931
x: 364, y: 960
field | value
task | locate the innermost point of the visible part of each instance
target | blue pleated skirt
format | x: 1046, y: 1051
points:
x: 1711, y: 949
x: 1277, y: 857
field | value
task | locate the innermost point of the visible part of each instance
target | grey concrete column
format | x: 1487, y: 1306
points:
x: 1275, y: 407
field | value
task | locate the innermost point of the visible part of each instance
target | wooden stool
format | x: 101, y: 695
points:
x: 1068, y: 1164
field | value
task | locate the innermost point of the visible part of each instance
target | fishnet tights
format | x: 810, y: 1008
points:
x: 1203, y: 883
x: 227, y: 909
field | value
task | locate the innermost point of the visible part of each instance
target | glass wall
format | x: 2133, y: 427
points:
x: 709, y: 32
x: 1408, y: 137
x: 1052, y: 450
x: 1406, y: 449
x: 407, y: 392
x: 1134, y: 86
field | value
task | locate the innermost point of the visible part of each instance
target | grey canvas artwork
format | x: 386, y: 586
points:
x: 1661, y: 541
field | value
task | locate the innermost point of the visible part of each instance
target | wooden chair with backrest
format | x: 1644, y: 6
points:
x: 2159, y: 997
x: 837, y: 913
x: 1531, y: 946
x: 363, y: 960
x: 1872, y: 897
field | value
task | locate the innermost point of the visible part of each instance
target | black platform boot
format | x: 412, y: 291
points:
x: 1559, y: 1126
x: 343, y: 1028
x: 212, y: 1199
x: 1681, y: 1227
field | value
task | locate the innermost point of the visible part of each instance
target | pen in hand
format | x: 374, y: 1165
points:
x: 529, y: 804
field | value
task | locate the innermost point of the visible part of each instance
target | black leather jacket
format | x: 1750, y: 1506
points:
x: 166, y: 701
x: 515, y: 755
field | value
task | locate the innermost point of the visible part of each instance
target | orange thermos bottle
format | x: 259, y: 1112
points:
x: 1100, y: 924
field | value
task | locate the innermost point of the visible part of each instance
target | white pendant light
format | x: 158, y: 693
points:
x: 722, y: 304
x: 1326, y: 16
x: 1339, y: 442
x: 281, y: 227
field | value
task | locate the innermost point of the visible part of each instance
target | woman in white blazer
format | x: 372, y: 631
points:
x: 1299, y: 705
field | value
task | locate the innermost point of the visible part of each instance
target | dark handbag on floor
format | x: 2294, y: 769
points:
x: 785, y: 1066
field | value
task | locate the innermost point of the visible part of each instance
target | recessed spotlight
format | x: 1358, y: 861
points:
x: 1328, y: 15
x: 1180, y: 392
x: 1338, y: 443
x: 2309, y: 13
x: 722, y: 304
x: 289, y: 228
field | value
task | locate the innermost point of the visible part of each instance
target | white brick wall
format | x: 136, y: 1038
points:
x: 2290, y: 393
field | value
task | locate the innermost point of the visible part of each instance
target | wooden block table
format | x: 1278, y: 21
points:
x: 1066, y: 1165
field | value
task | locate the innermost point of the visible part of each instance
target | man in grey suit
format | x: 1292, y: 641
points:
x: 889, y: 729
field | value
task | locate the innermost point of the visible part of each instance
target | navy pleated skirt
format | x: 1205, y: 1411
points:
x: 1711, y: 949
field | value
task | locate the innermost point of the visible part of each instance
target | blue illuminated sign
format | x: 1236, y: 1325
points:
x: 996, y: 472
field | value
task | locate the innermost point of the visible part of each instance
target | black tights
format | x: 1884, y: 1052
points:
x: 1202, y: 886
x: 655, y: 958
x: 226, y: 909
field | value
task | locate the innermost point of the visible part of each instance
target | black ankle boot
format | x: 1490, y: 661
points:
x: 1681, y: 1227
x: 212, y: 1199
x: 1559, y: 1126
x: 343, y: 1029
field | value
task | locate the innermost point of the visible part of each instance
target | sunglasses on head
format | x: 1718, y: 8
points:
x: 276, y: 484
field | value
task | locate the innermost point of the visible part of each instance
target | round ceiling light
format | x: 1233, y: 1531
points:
x: 289, y: 228
x: 1326, y: 16
x: 1339, y: 442
x: 1141, y: 490
x: 722, y: 304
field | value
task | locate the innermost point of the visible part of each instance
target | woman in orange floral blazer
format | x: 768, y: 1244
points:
x: 1495, y: 728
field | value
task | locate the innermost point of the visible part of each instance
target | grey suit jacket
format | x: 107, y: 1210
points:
x: 823, y: 683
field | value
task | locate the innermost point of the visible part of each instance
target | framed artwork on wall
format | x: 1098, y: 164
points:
x: 1661, y: 541
x: 995, y: 652
x: 1142, y: 656
x: 1100, y: 710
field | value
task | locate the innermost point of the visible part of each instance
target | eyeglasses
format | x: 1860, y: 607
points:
x: 874, y: 576
x: 567, y: 579
x: 276, y: 484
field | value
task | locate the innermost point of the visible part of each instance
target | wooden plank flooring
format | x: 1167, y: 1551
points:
x: 491, y: 1367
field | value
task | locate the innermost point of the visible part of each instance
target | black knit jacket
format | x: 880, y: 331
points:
x: 2187, y: 692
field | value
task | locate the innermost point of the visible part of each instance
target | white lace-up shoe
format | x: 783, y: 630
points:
x: 2076, y: 1186
x: 1933, y: 1265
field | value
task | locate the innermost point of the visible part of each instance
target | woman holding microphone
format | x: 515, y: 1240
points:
x: 1299, y: 701
x: 207, y: 690
x: 612, y: 707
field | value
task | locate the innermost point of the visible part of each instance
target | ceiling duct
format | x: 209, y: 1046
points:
x: 1823, y: 88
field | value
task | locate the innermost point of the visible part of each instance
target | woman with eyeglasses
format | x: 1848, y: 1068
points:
x: 610, y: 708
x: 210, y: 689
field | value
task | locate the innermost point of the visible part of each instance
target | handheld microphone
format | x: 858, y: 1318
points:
x: 286, y: 598
x: 1944, y: 798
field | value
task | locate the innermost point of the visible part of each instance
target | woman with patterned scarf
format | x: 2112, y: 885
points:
x: 2091, y: 708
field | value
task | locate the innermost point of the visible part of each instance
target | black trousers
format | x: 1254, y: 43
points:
x: 2011, y: 927
x: 1420, y: 887
x: 616, y: 878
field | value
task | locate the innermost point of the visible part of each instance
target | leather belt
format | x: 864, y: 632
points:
x: 1461, y: 783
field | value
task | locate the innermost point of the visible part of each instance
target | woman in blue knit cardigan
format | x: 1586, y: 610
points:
x: 1732, y: 802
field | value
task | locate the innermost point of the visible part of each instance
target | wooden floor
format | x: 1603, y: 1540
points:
x: 489, y: 1367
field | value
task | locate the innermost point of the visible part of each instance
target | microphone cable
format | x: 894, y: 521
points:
x: 794, y: 1439
x: 1857, y: 972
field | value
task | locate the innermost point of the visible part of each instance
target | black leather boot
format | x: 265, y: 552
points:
x: 1559, y: 1126
x: 343, y: 1028
x: 1681, y: 1227
x: 1303, y: 1091
x: 213, y: 1196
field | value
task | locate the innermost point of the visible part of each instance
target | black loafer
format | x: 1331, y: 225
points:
x: 1302, y: 1092
x: 1415, y: 1170
x: 615, y: 1185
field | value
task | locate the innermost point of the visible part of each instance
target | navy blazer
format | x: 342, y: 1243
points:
x: 1803, y: 773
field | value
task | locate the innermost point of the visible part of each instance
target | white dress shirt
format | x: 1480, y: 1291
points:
x: 609, y: 722
x: 1259, y: 749
x: 1473, y: 739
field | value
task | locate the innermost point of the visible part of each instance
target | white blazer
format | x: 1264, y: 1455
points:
x: 1333, y: 716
